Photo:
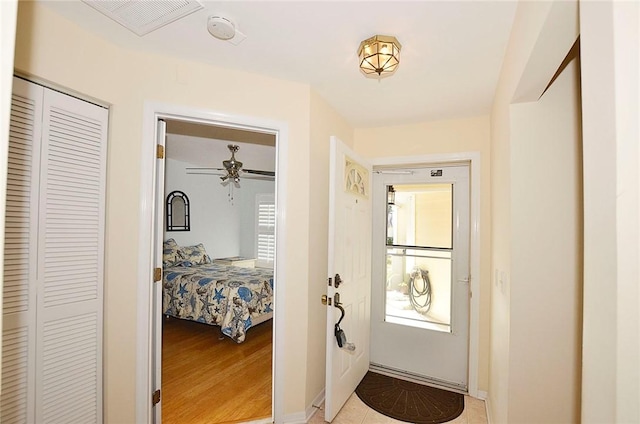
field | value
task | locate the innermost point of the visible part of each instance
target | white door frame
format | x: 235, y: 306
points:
x: 473, y: 158
x: 144, y: 350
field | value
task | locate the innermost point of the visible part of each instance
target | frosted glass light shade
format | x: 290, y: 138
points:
x: 379, y: 56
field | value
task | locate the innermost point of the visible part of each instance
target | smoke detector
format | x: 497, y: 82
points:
x: 221, y: 28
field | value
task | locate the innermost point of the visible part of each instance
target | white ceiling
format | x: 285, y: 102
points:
x: 451, y: 55
x: 207, y: 152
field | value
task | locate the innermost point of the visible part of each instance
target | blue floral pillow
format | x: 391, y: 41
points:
x: 194, y: 255
x: 171, y: 254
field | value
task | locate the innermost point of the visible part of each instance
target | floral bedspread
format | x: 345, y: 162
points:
x: 227, y: 296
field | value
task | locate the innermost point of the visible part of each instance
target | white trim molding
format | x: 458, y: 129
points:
x: 152, y: 112
x: 473, y: 158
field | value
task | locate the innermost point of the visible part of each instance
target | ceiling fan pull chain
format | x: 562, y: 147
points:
x: 231, y: 193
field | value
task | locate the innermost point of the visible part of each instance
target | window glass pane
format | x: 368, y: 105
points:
x: 418, y: 291
x: 421, y: 215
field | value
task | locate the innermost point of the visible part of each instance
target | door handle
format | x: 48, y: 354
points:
x: 339, y: 334
x: 338, y: 304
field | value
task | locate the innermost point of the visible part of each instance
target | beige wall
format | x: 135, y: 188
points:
x: 325, y: 122
x: 610, y: 49
x: 52, y: 49
x: 546, y: 255
x: 447, y: 136
x: 525, y: 30
x: 538, y: 33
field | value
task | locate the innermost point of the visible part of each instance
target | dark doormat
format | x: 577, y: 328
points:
x: 407, y: 401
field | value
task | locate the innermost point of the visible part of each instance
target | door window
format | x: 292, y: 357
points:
x: 419, y: 247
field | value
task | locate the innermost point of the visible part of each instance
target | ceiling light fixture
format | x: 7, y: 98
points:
x: 379, y: 56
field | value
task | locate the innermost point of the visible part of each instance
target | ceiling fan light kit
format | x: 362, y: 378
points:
x: 232, y: 165
x: 379, y: 56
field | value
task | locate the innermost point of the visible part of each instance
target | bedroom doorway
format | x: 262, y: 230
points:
x: 238, y: 353
x: 224, y: 333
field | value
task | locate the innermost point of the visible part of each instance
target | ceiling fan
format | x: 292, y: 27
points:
x: 233, y: 169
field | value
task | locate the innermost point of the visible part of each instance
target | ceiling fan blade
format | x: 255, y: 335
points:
x: 204, y: 168
x: 259, y: 172
x: 222, y: 173
x: 206, y: 171
x: 258, y: 177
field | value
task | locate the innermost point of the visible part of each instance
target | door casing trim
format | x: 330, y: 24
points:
x: 144, y: 350
x: 473, y: 158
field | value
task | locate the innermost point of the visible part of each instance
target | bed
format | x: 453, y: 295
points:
x: 234, y: 298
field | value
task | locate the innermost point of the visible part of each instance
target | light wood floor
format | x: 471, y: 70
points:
x: 208, y: 380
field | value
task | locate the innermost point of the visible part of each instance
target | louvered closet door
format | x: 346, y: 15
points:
x: 20, y: 256
x: 53, y: 270
x: 70, y: 263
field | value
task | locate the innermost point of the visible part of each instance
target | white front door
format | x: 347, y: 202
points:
x: 350, y: 258
x: 420, y: 288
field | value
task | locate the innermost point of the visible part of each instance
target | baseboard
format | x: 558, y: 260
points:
x: 304, y: 417
x: 295, y: 418
x: 315, y: 405
x: 487, y: 409
x: 485, y: 397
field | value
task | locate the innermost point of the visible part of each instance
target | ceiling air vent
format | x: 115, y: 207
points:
x: 142, y: 17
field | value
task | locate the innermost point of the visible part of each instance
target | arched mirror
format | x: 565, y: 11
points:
x: 177, y: 211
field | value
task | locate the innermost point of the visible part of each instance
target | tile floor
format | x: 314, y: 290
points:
x: 356, y: 412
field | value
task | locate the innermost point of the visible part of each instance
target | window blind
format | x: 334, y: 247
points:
x: 265, y: 230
